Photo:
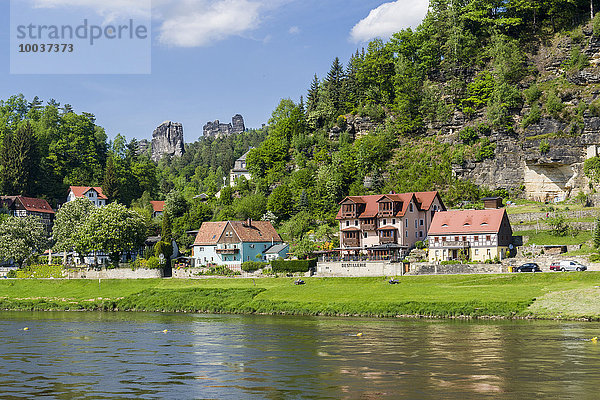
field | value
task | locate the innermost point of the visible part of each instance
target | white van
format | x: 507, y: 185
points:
x: 571, y: 266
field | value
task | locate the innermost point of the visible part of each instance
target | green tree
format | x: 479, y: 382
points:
x: 113, y: 229
x: 166, y: 231
x: 110, y: 186
x: 69, y: 220
x: 280, y: 202
x: 18, y: 160
x: 21, y: 238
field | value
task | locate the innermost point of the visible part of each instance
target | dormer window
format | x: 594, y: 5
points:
x: 484, y: 223
x: 411, y: 207
x: 444, y: 225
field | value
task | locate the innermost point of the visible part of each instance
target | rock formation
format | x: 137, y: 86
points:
x: 218, y: 129
x: 167, y: 138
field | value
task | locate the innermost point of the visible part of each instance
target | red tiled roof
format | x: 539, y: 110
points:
x: 35, y: 205
x: 80, y: 191
x: 467, y: 221
x: 209, y: 233
x: 158, y: 206
x: 351, y: 229
x: 257, y: 231
x: 423, y: 200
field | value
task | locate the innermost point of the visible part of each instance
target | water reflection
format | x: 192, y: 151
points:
x: 95, y: 355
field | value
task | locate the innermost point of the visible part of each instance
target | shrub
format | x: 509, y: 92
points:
x: 487, y: 150
x: 595, y: 108
x: 484, y: 129
x: 40, y: 271
x: 341, y: 122
x: 12, y: 273
x: 251, y: 266
x: 220, y: 270
x: 468, y: 135
x: 532, y: 94
x: 596, y: 25
x: 544, y: 147
x: 554, y: 104
x: 558, y: 225
x: 419, y: 245
x: 153, y: 263
x: 532, y: 117
x: 293, y: 265
x: 577, y: 60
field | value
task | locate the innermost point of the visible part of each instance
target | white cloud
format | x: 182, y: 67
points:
x: 193, y: 23
x: 388, y: 19
x: 294, y: 30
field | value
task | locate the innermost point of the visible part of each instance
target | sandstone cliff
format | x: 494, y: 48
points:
x: 167, y: 139
x: 218, y: 129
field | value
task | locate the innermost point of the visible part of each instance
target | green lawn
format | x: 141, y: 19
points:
x: 450, y: 295
x: 547, y: 238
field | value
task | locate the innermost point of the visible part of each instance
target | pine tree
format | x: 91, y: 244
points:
x: 334, y: 84
x: 110, y: 186
x: 166, y: 231
x: 18, y: 161
x: 312, y: 99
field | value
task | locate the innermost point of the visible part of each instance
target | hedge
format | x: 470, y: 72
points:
x: 251, y: 266
x: 293, y: 265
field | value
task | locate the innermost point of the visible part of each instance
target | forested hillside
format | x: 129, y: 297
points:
x: 480, y: 92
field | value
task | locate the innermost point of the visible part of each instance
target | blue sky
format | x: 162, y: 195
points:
x: 213, y: 59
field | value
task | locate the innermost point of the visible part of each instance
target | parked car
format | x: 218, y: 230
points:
x: 528, y: 267
x: 567, y: 266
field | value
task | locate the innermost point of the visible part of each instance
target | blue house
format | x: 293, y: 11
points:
x: 230, y: 243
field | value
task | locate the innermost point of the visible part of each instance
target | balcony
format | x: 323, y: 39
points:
x: 349, y: 214
x: 385, y: 213
x: 368, y: 227
x: 351, y: 242
x: 227, y: 250
x: 385, y: 240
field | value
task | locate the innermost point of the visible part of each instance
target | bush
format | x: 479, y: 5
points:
x: 419, y: 245
x: 554, y: 104
x: 251, y: 266
x: 12, y: 273
x: 153, y: 263
x: 487, y: 150
x: 532, y: 117
x: 220, y: 270
x: 532, y: 94
x: 544, y: 147
x: 40, y: 271
x: 293, y: 265
x: 595, y: 108
x: 468, y: 135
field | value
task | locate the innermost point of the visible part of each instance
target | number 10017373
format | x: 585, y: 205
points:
x: 46, y: 48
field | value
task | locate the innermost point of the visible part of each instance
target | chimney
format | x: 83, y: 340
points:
x: 492, y: 203
x: 249, y: 222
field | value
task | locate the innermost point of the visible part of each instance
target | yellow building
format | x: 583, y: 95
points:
x: 474, y: 235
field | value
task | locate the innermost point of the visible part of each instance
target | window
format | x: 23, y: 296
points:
x: 476, y: 252
x: 477, y: 238
x: 355, y: 222
x: 464, y: 238
x: 421, y: 222
x: 200, y: 248
x: 437, y: 253
x: 385, y: 221
x: 406, y: 233
x: 411, y: 207
x: 365, y: 235
x: 420, y: 233
x: 456, y: 238
x: 406, y: 222
x: 251, y: 246
x: 488, y: 238
x: 443, y: 238
x: 416, y: 234
x: 347, y: 223
x: 416, y: 222
x: 394, y: 221
x: 437, y: 239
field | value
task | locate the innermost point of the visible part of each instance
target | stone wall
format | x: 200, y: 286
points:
x: 117, y: 273
x: 359, y: 268
x: 439, y: 269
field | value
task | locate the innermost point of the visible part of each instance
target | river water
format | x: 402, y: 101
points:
x: 130, y: 355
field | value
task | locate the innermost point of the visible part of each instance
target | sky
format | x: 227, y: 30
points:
x: 208, y: 59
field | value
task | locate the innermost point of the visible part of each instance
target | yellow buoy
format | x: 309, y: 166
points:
x: 26, y: 329
x: 359, y: 334
x: 595, y: 339
x: 165, y: 331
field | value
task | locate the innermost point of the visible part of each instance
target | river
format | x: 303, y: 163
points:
x: 167, y: 356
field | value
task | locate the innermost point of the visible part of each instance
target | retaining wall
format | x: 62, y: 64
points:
x: 446, y: 269
x: 116, y: 273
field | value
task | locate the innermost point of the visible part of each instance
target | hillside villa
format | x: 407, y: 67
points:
x: 385, y: 226
x: 157, y: 207
x: 474, y: 235
x: 230, y: 243
x: 93, y: 194
x: 21, y: 206
x: 239, y: 169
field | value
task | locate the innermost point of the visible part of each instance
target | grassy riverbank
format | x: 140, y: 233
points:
x: 506, y: 295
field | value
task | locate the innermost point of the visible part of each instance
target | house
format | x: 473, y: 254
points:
x: 475, y: 235
x: 94, y: 194
x: 239, y: 169
x: 230, y: 243
x: 276, y: 251
x: 157, y: 208
x: 21, y: 206
x: 386, y: 225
